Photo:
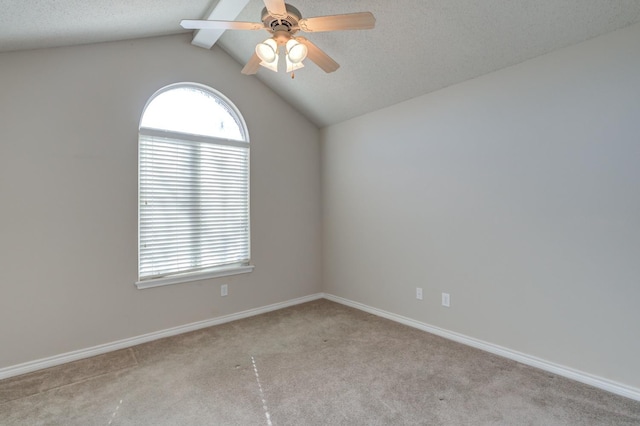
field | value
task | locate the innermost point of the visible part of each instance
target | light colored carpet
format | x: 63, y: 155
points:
x: 319, y: 363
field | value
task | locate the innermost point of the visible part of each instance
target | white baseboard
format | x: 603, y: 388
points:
x: 39, y: 364
x: 579, y: 376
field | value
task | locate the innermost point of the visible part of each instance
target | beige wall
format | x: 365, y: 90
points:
x: 518, y: 193
x: 68, y: 196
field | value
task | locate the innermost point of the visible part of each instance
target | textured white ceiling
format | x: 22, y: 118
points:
x: 418, y: 46
x: 31, y: 24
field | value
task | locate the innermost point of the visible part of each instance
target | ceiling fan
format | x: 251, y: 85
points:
x: 283, y: 21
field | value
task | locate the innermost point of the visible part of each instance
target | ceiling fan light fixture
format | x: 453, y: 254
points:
x: 267, y: 51
x: 292, y: 66
x: 273, y: 65
x: 296, y: 51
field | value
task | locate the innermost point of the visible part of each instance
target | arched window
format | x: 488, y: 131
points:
x: 193, y: 187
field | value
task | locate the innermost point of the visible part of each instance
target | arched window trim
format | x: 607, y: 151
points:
x: 231, y: 106
x: 166, y: 135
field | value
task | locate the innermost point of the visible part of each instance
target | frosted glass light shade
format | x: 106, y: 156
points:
x: 273, y: 66
x: 292, y: 66
x: 267, y: 51
x: 296, y: 51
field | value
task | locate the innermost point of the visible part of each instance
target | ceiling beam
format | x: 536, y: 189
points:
x: 224, y: 10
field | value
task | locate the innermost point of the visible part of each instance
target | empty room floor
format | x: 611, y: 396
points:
x: 319, y: 363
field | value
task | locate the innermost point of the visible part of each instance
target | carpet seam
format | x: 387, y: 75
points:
x: 86, y: 379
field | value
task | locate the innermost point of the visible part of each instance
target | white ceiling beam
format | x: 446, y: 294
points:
x: 224, y: 10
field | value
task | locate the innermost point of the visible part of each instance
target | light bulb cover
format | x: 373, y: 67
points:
x: 267, y: 51
x: 273, y: 65
x: 296, y: 51
x: 292, y: 66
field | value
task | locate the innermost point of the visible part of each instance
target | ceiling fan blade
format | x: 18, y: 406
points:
x: 276, y: 8
x: 252, y: 66
x: 197, y: 24
x: 320, y: 58
x: 348, y: 21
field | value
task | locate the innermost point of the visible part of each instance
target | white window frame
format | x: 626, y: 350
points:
x: 213, y: 272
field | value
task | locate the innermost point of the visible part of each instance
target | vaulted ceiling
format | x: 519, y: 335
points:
x: 417, y: 46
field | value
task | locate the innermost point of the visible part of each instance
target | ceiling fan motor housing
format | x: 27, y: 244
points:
x: 282, y: 28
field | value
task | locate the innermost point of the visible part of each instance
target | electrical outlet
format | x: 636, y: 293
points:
x: 446, y: 300
x: 418, y: 293
x: 224, y: 290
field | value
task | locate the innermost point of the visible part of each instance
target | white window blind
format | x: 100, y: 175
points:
x: 193, y: 203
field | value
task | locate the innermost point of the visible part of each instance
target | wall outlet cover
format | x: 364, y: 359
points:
x: 446, y: 300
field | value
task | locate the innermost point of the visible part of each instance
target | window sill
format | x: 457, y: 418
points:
x: 177, y: 279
